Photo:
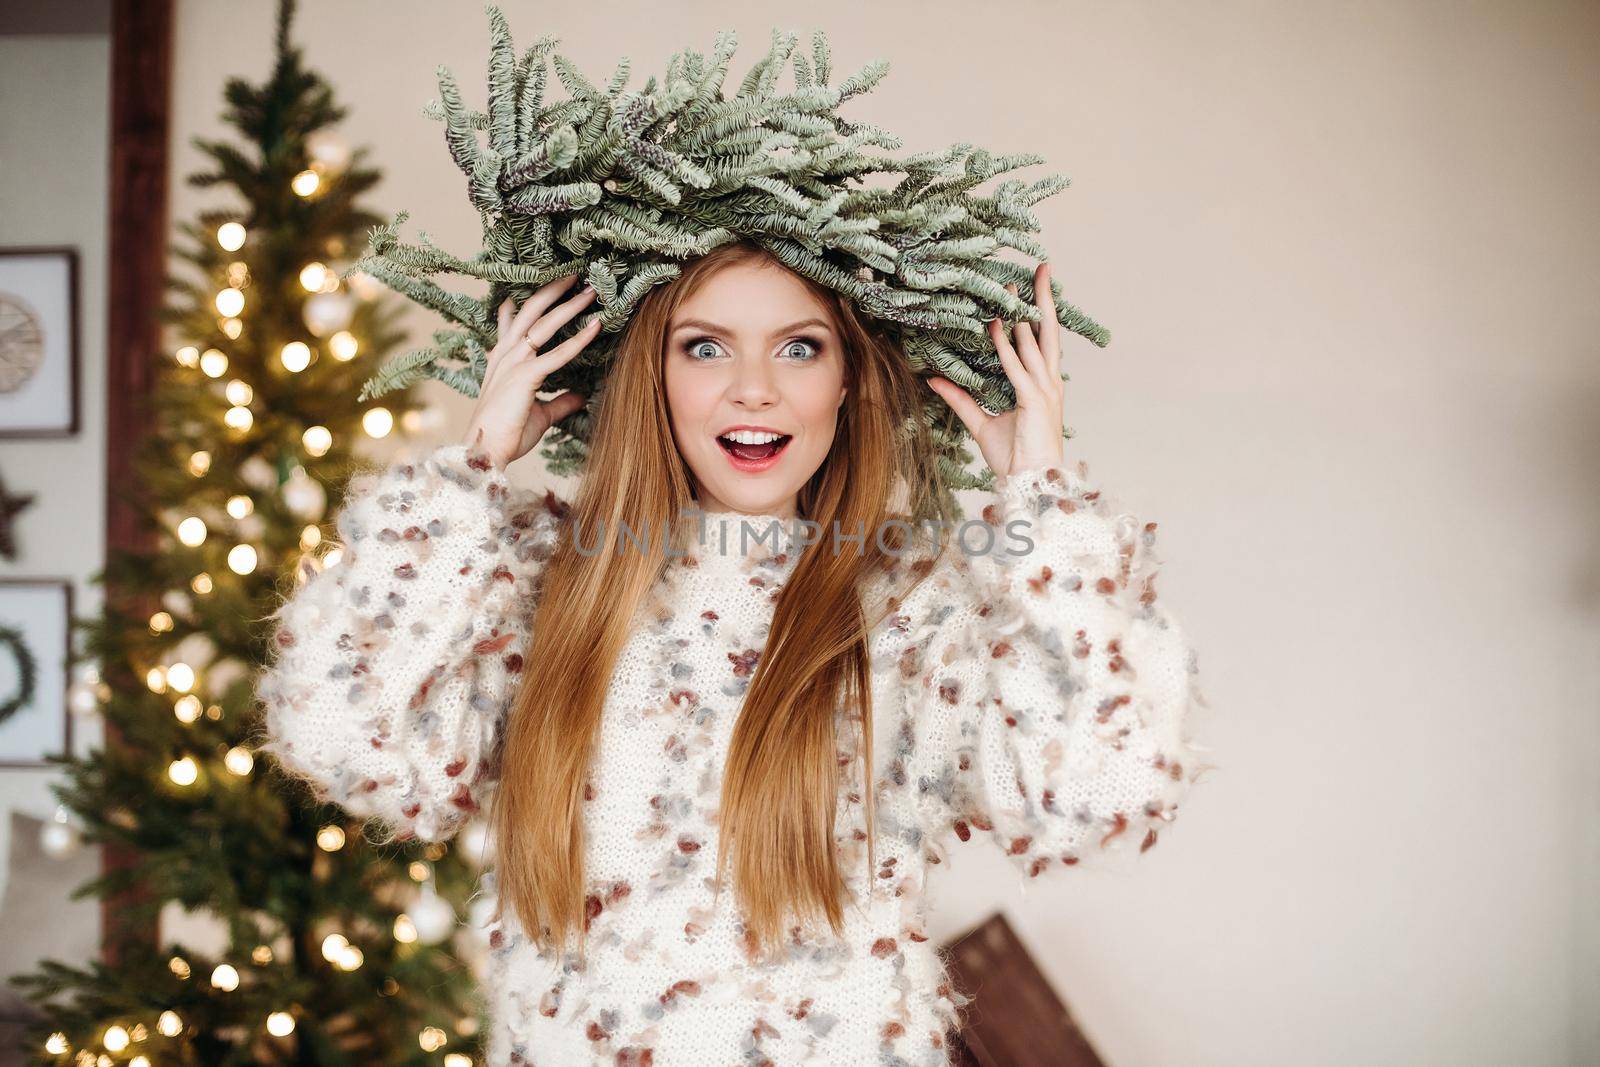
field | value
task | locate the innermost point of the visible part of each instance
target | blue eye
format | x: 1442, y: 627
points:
x: 696, y: 343
x: 813, y: 345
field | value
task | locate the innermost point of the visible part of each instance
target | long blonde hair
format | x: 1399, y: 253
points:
x: 781, y: 779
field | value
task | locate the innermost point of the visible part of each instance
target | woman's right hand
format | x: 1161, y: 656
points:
x: 508, y: 419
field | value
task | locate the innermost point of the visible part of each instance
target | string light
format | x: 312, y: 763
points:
x: 187, y: 356
x: 432, y: 1039
x: 155, y: 680
x: 457, y: 1059
x: 296, y: 356
x: 310, y: 537
x: 201, y: 583
x: 233, y: 328
x: 199, y: 463
x: 305, y: 183
x: 160, y: 622
x: 330, y: 838
x: 187, y: 709
x: 242, y: 559
x: 213, y: 363
x: 192, y: 531
x: 317, y: 440
x: 280, y: 1024
x: 183, y: 771
x: 261, y: 954
x: 312, y: 275
x: 180, y: 677
x: 377, y: 422
x: 115, y: 1039
x: 344, y: 345
x: 230, y: 302
x: 239, y: 761
x: 405, y: 931
x: 238, y: 419
x: 56, y: 1044
x: 240, y: 506
x: 230, y: 235
x: 180, y: 967
x: 238, y: 273
x: 225, y: 977
x: 337, y: 950
x: 333, y: 557
x: 238, y: 392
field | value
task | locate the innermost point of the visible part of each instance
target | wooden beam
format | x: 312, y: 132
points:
x: 141, y: 75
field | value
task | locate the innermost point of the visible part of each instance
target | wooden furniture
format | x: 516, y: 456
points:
x: 1015, y: 1019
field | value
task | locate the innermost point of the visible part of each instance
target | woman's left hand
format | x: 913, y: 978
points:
x: 1029, y: 435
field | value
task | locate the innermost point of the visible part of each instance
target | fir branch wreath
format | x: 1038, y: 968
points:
x: 27, y: 672
x: 625, y: 185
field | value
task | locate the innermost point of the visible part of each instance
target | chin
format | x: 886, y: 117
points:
x: 749, y: 502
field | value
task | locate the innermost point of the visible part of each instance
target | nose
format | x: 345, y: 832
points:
x: 754, y: 385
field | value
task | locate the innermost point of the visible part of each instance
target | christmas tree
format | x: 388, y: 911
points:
x: 333, y: 951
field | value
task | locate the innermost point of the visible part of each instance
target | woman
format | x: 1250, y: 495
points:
x: 648, y: 719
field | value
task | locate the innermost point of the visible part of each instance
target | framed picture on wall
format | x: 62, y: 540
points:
x: 38, y: 342
x: 35, y: 635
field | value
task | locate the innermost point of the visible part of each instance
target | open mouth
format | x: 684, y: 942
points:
x: 751, y: 447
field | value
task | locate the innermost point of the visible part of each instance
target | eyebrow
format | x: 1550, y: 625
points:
x: 711, y: 327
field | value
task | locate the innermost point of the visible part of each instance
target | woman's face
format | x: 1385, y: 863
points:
x: 750, y: 355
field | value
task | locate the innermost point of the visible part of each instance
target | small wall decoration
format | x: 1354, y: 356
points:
x: 35, y: 622
x: 38, y: 342
x: 10, y: 506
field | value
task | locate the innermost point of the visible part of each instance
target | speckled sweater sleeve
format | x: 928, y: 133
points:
x: 393, y: 669
x: 1052, y: 712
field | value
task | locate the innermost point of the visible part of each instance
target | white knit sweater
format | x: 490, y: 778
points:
x: 1039, y: 703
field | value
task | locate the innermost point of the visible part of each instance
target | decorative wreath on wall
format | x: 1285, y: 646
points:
x: 12, y: 644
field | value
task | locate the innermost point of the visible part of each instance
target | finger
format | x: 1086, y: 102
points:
x: 536, y: 305
x: 968, y: 410
x: 1049, y: 324
x: 560, y: 407
x: 559, y: 316
x: 546, y: 414
x: 547, y: 363
x: 1021, y: 380
x: 503, y: 316
x: 1027, y: 346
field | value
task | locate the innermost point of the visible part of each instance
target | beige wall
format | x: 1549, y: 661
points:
x: 1349, y: 255
x: 54, y: 158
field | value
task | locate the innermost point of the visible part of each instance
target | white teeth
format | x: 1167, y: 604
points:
x: 751, y: 437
